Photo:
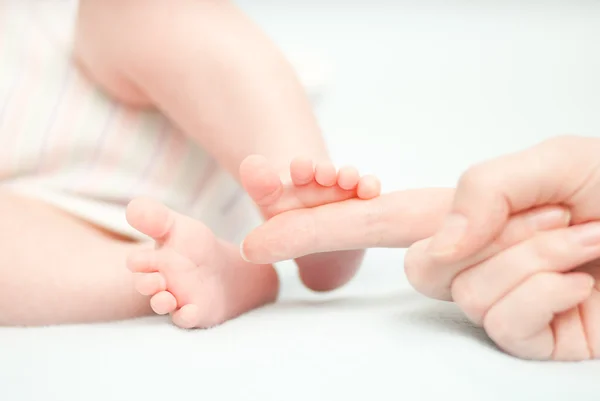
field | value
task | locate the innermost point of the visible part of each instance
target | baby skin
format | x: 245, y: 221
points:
x: 203, y: 281
x: 255, y: 106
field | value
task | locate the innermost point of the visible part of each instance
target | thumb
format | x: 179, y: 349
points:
x: 489, y: 193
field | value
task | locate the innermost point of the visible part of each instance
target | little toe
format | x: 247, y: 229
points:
x: 348, y: 178
x: 150, y: 284
x: 369, y: 187
x: 302, y: 171
x: 187, y: 317
x: 163, y: 303
x: 260, y: 180
x: 150, y: 217
x: 326, y: 174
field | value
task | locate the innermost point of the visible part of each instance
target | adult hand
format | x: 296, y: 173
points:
x: 492, y: 222
x: 394, y: 220
x: 523, y: 292
x: 559, y: 171
x: 536, y: 298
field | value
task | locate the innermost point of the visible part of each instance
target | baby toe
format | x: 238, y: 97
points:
x: 368, y: 187
x: 150, y: 284
x: 155, y: 260
x: 150, y: 217
x: 260, y: 180
x: 188, y: 317
x: 348, y: 178
x: 302, y: 171
x: 141, y: 261
x: 163, y: 303
x: 326, y: 174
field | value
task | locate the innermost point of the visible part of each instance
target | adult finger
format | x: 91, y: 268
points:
x: 391, y: 220
x: 434, y: 279
x: 488, y: 193
x: 562, y: 250
x: 520, y: 322
x: 588, y: 314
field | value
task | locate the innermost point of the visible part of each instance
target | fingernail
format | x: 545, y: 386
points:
x: 587, y: 235
x: 452, y: 231
x: 242, y: 254
x: 549, y: 218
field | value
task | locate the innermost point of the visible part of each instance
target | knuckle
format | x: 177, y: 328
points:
x: 559, y: 147
x: 475, y: 177
x: 498, y: 327
x: 375, y: 224
x: 514, y: 232
x: 468, y: 299
x: 556, y: 147
x: 416, y: 270
x: 560, y: 141
x: 542, y: 281
x: 547, y: 249
x: 518, y: 229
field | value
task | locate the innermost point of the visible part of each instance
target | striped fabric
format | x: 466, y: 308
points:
x: 61, y: 135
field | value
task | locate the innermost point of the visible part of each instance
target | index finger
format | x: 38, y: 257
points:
x: 393, y: 220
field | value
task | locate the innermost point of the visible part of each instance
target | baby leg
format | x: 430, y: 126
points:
x: 57, y: 269
x: 219, y: 78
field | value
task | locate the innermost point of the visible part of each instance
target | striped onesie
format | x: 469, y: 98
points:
x: 63, y: 141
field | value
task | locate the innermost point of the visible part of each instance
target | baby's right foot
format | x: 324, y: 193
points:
x: 303, y: 185
x: 309, y: 187
x: 199, y: 279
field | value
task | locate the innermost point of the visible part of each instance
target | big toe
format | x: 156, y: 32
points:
x: 188, y: 317
x: 260, y: 180
x: 149, y: 217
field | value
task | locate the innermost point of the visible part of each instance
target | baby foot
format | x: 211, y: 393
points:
x: 303, y: 186
x: 199, y: 279
x: 306, y: 186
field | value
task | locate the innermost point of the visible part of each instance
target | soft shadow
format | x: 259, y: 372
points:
x: 356, y: 302
x: 444, y: 317
x: 407, y: 308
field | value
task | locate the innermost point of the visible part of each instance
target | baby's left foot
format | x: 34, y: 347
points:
x: 199, y: 279
x: 307, y: 186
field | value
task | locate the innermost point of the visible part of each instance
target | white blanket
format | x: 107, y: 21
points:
x: 422, y: 90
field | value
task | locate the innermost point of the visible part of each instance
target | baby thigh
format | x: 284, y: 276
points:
x: 56, y: 269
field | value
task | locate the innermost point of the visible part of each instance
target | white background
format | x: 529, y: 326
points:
x: 419, y: 90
